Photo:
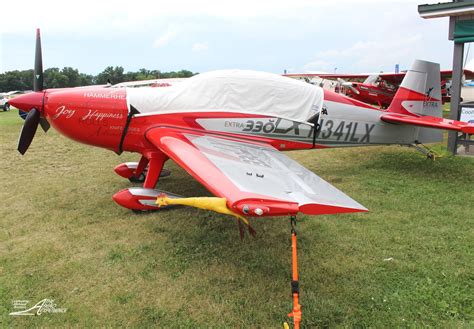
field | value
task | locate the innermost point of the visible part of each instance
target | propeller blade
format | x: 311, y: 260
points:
x: 354, y: 89
x: 28, y: 131
x: 44, y: 124
x: 347, y: 84
x: 38, y: 72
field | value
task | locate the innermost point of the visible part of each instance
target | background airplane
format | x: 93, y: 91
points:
x: 375, y: 88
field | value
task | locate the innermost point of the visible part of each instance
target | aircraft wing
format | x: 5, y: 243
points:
x: 393, y: 78
x: 429, y: 122
x: 397, y: 78
x: 448, y: 74
x: 329, y: 76
x: 251, y: 175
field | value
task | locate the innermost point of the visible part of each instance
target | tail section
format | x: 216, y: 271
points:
x: 418, y: 103
x: 420, y: 91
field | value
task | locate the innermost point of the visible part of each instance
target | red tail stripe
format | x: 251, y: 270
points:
x: 404, y: 94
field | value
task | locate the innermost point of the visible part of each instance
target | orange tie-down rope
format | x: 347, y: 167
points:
x: 296, y: 314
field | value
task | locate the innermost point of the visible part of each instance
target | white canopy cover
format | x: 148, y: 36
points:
x: 232, y: 91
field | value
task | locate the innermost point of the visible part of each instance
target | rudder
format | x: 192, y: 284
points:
x: 420, y: 95
x: 420, y: 91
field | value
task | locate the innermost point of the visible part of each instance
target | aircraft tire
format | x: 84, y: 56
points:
x: 140, y: 179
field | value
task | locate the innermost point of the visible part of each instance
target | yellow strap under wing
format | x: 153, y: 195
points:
x: 208, y: 203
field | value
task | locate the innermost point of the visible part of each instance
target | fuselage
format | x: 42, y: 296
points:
x: 101, y: 117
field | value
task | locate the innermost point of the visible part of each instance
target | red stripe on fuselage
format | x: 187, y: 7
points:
x: 187, y: 121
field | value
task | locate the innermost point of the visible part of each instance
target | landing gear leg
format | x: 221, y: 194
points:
x: 140, y: 172
x: 140, y: 199
x: 155, y: 166
x: 139, y: 175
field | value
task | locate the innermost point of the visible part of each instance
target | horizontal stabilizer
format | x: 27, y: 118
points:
x: 429, y: 122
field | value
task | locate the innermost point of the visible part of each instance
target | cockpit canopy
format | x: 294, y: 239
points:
x: 232, y: 91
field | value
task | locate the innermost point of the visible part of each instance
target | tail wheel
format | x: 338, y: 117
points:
x: 6, y: 107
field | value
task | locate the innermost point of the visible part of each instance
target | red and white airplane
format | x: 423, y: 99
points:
x: 227, y: 128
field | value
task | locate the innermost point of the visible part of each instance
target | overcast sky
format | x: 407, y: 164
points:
x: 296, y: 35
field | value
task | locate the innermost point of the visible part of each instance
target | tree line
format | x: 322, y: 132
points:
x: 70, y: 77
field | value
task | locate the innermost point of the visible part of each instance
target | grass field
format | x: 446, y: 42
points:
x: 407, y: 263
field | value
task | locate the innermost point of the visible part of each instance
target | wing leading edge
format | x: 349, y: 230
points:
x: 251, y: 176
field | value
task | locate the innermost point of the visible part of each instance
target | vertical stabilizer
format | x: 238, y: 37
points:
x: 420, y: 91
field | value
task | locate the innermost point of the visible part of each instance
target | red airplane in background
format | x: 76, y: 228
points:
x: 376, y: 88
x: 227, y: 130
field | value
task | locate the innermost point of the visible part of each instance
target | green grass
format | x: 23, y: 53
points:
x: 62, y: 237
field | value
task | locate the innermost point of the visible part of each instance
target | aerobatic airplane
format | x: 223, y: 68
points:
x: 377, y: 88
x: 227, y: 128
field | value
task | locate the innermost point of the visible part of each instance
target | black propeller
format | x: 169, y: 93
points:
x: 34, y: 118
x: 44, y: 124
x: 38, y: 78
x: 28, y: 131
